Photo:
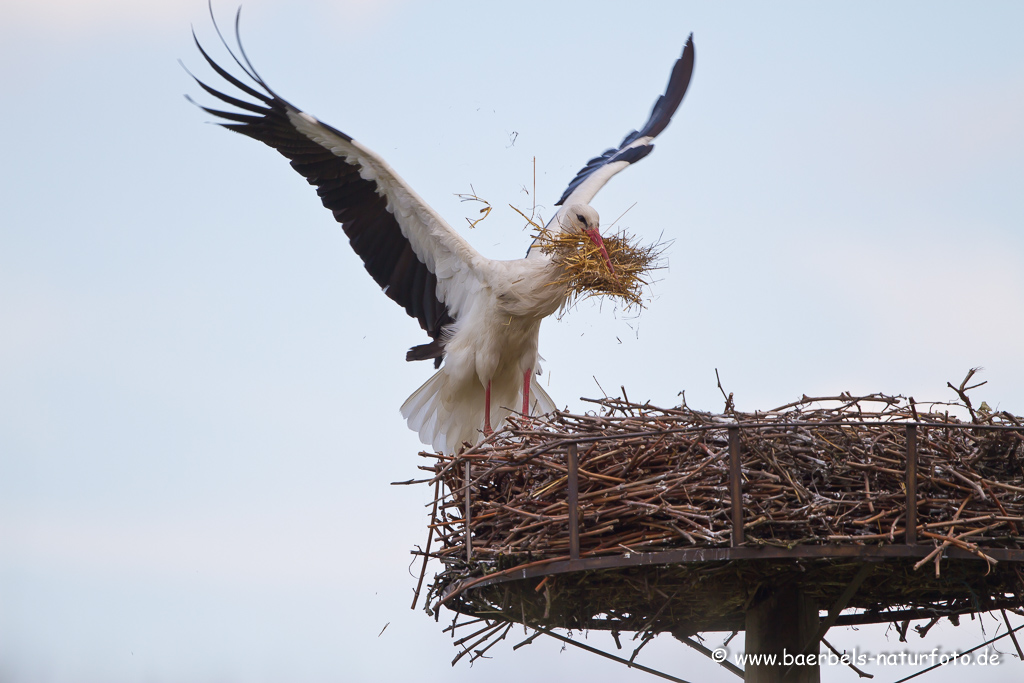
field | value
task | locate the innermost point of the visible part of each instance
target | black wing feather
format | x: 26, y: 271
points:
x: 356, y: 203
x: 661, y: 114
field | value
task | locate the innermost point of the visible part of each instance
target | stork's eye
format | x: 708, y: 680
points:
x: 581, y: 219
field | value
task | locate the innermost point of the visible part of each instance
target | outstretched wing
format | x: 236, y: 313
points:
x: 410, y: 251
x: 637, y: 144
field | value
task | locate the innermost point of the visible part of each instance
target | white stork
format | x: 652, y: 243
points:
x: 483, y: 316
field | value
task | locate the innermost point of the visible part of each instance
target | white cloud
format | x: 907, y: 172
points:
x: 87, y: 18
x: 280, y: 546
x: 939, y: 299
x: 36, y: 320
x: 92, y: 16
x: 926, y: 141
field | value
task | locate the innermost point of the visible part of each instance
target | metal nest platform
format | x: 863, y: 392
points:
x: 637, y: 518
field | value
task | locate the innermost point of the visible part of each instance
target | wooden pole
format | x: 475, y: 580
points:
x: 780, y: 625
x: 911, y: 485
x: 736, y: 486
x: 574, y: 497
x: 469, y: 513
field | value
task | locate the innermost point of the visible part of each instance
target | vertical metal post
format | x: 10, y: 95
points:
x: 574, y: 496
x: 911, y: 485
x: 469, y: 512
x: 736, y: 486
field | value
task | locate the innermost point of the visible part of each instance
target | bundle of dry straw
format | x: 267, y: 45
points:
x: 585, y: 272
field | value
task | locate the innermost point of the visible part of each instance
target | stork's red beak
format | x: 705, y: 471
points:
x: 595, y: 237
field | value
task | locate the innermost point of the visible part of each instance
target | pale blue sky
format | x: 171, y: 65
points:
x: 199, y: 385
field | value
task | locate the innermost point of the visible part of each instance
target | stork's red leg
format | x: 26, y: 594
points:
x: 526, y: 392
x: 487, y: 410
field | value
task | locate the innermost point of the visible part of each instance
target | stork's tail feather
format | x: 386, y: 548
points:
x: 445, y: 413
x: 442, y: 420
x: 540, y: 402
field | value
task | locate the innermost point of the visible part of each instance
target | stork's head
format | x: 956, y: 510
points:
x: 583, y: 218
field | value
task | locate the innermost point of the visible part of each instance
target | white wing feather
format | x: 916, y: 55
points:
x: 596, y: 180
x: 459, y: 267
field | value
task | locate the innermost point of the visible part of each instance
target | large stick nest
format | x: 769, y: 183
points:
x: 654, y: 479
